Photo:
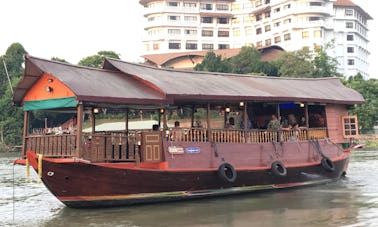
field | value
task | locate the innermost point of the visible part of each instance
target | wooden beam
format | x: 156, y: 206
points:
x: 93, y: 122
x: 245, y: 121
x: 79, y: 130
x: 208, y: 121
x: 127, y: 121
x: 25, y: 132
x: 306, y: 115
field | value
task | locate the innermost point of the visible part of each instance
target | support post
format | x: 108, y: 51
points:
x: 25, y: 132
x: 192, y: 117
x: 165, y: 124
x: 93, y: 122
x: 245, y: 121
x: 79, y: 130
x: 306, y: 115
x: 208, y: 121
x: 127, y: 121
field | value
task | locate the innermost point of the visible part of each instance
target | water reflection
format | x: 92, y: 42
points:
x: 352, y: 201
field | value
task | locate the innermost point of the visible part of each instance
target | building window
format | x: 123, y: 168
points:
x: 190, y: 32
x: 258, y: 31
x: 190, y: 5
x: 236, y: 32
x: 287, y: 21
x: 267, y: 2
x: 268, y: 42
x: 156, y: 46
x: 350, y: 61
x: 248, y: 31
x: 223, y: 46
x: 258, y: 17
x: 174, y: 45
x: 173, y: 17
x: 267, y: 28
x: 207, y: 20
x: 287, y: 6
x: 267, y: 14
x: 314, y: 18
x: 287, y: 37
x: 222, y: 20
x: 151, y: 19
x: 147, y: 47
x: 350, y: 49
x: 277, y: 24
x: 350, y: 37
x: 258, y: 3
x: 349, y: 24
x: 276, y: 10
x: 223, y: 34
x: 207, y: 33
x: 277, y: 39
x: 207, y: 46
x: 174, y: 31
x: 316, y: 4
x: 191, y: 46
x: 190, y: 18
x: 318, y: 34
x: 222, y: 7
x: 259, y: 44
x: 305, y: 35
x: 206, y: 6
x: 348, y: 12
x: 173, y: 4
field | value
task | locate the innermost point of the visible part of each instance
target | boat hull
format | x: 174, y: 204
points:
x: 77, y: 183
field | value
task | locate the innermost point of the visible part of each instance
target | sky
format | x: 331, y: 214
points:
x: 74, y: 29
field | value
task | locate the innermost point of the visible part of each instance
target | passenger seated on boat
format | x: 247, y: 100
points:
x: 177, y: 132
x: 155, y: 127
x: 231, y: 123
x: 274, y: 124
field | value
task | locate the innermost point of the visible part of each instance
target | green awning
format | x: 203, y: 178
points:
x: 50, y: 104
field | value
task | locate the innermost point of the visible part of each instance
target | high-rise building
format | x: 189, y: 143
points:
x: 190, y: 26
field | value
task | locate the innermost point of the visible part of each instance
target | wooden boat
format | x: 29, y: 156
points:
x: 129, y: 166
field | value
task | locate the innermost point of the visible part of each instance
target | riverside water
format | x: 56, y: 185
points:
x: 351, y: 201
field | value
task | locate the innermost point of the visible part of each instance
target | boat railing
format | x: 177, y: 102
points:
x: 245, y: 136
x: 111, y: 147
x: 52, y: 145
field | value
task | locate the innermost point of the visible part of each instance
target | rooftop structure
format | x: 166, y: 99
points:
x: 177, y: 26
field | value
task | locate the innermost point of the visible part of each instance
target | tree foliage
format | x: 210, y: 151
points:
x: 324, y: 64
x: 367, y: 112
x: 295, y: 64
x: 213, y: 63
x: 97, y: 60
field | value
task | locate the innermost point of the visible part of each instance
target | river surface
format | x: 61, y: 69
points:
x: 351, y: 201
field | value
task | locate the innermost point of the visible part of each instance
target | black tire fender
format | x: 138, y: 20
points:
x: 227, y: 172
x: 327, y: 164
x: 278, y: 169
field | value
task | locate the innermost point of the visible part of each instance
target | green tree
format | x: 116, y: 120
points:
x: 295, y: 64
x: 59, y: 59
x: 97, y: 60
x: 213, y: 63
x: 367, y: 112
x: 324, y: 64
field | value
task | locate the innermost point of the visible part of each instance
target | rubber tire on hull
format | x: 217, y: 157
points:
x: 278, y: 169
x: 327, y: 164
x: 227, y: 172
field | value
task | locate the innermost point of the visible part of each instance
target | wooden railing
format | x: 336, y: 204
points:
x: 52, y: 145
x: 241, y: 136
x: 111, y: 146
x: 96, y: 147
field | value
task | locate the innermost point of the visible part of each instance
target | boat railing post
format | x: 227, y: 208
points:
x: 79, y: 130
x: 25, y: 133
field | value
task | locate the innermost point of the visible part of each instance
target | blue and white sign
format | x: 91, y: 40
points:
x: 192, y: 150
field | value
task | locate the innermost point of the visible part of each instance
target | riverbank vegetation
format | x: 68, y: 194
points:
x: 301, y: 63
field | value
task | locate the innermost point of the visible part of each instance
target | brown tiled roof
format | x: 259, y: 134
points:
x: 267, y: 54
x: 193, y: 86
x: 349, y: 3
x: 344, y: 3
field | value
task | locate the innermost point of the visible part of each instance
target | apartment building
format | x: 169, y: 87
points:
x: 185, y: 26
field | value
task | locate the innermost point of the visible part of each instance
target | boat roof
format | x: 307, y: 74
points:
x: 127, y: 83
x: 181, y: 85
